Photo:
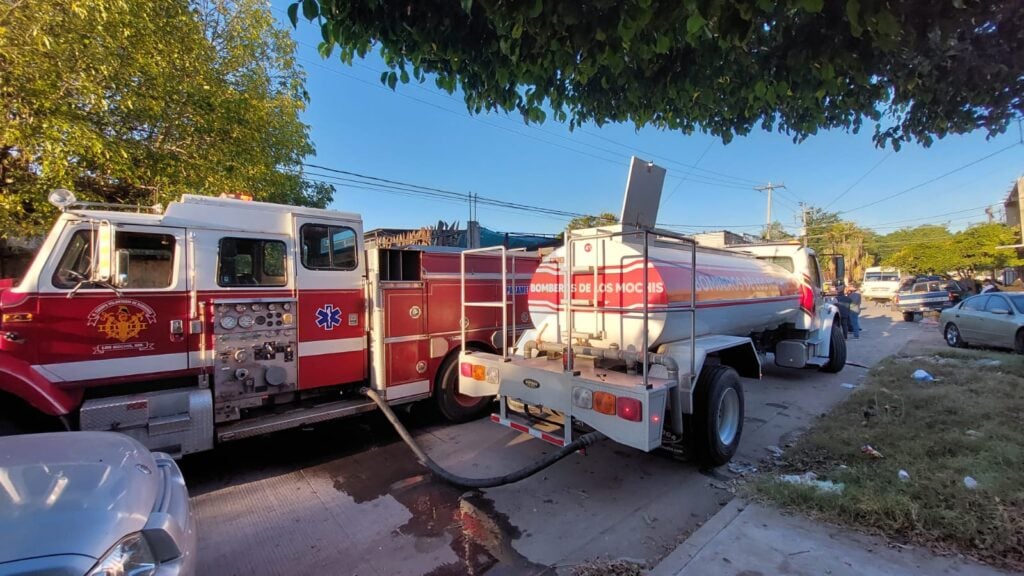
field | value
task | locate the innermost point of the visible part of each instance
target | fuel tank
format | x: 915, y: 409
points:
x: 735, y: 294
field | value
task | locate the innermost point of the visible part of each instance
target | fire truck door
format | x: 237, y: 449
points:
x: 134, y: 324
x: 331, y: 304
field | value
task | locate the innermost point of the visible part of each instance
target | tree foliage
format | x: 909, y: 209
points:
x: 138, y: 102
x: 589, y: 221
x: 928, y: 252
x: 827, y: 233
x: 916, y: 69
x: 933, y: 249
x: 776, y: 231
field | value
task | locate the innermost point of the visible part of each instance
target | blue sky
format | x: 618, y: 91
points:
x: 422, y: 135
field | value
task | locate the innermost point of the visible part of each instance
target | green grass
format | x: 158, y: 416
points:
x: 922, y: 427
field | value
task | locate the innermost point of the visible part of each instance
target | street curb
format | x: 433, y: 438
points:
x: 681, y: 557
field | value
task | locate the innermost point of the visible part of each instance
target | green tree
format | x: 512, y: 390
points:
x: 914, y: 69
x: 138, y: 102
x: 776, y: 232
x: 977, y: 249
x: 932, y: 249
x: 602, y: 219
x: 921, y: 250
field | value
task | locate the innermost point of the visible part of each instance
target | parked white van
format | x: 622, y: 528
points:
x: 880, y: 283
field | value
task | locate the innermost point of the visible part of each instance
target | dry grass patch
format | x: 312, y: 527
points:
x: 969, y: 422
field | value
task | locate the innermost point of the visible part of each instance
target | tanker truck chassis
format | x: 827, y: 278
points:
x: 643, y: 336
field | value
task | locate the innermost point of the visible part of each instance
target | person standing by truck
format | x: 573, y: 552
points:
x: 843, y: 303
x: 855, y: 301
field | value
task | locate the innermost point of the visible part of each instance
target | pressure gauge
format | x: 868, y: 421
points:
x: 271, y: 307
x: 228, y: 322
x: 257, y: 307
x: 239, y: 308
x: 245, y: 321
x: 287, y: 306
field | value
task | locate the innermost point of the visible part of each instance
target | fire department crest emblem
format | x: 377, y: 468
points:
x: 121, y: 319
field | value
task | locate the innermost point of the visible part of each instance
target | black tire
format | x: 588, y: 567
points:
x: 710, y: 406
x: 1018, y: 342
x: 908, y: 316
x: 452, y: 405
x: 953, y: 337
x: 836, y: 352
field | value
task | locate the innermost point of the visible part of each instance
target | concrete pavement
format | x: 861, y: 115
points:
x: 349, y: 498
x: 750, y: 539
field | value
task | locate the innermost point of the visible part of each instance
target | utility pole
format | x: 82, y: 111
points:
x: 803, y: 216
x: 768, y: 221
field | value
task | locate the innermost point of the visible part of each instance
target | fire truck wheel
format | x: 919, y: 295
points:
x: 452, y: 405
x: 836, y: 352
x: 715, y: 427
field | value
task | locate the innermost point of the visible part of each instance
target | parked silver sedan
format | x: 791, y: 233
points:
x: 92, y: 504
x: 995, y: 319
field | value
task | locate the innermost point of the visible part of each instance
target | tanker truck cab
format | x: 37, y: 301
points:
x: 815, y: 336
x: 642, y: 335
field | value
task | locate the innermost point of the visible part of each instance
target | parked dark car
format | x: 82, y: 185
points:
x: 928, y: 294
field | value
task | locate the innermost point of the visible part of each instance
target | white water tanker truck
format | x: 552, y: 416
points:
x: 642, y: 335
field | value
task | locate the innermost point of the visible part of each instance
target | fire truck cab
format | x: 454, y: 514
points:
x: 219, y: 319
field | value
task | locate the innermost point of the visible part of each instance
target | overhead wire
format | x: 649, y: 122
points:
x: 932, y: 180
x: 858, y: 180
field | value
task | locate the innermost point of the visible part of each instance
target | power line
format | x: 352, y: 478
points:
x: 935, y: 179
x: 687, y: 175
x: 858, y: 181
x: 447, y: 194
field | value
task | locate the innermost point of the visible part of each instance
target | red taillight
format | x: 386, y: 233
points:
x: 629, y: 409
x: 466, y: 369
x: 807, y: 298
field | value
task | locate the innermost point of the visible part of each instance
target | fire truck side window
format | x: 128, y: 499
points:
x: 150, y: 260
x: 74, y: 264
x: 252, y: 262
x: 328, y: 247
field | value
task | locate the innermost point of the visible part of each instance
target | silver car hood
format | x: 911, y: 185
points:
x: 72, y: 492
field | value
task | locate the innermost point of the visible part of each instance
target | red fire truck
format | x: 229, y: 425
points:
x: 219, y: 319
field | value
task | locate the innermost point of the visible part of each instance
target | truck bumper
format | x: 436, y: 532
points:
x: 615, y: 404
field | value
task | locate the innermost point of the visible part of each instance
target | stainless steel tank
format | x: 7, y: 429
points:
x: 736, y: 294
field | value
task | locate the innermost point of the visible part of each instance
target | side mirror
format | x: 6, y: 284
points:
x: 121, y: 263
x: 839, y: 265
x: 103, y: 252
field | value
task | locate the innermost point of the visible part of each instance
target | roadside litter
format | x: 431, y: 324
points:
x: 922, y: 376
x: 870, y: 451
x: 988, y: 362
x: 774, y: 450
x: 742, y: 468
x: 904, y: 476
x: 970, y: 483
x: 848, y: 386
x: 974, y: 434
x: 811, y: 479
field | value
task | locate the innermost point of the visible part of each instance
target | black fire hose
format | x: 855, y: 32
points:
x: 578, y: 444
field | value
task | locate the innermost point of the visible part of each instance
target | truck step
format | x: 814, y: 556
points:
x: 547, y: 433
x: 293, y: 419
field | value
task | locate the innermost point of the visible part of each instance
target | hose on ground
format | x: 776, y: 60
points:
x: 461, y: 481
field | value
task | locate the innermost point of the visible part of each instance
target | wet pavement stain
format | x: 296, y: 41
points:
x: 480, y: 536
x: 364, y: 459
